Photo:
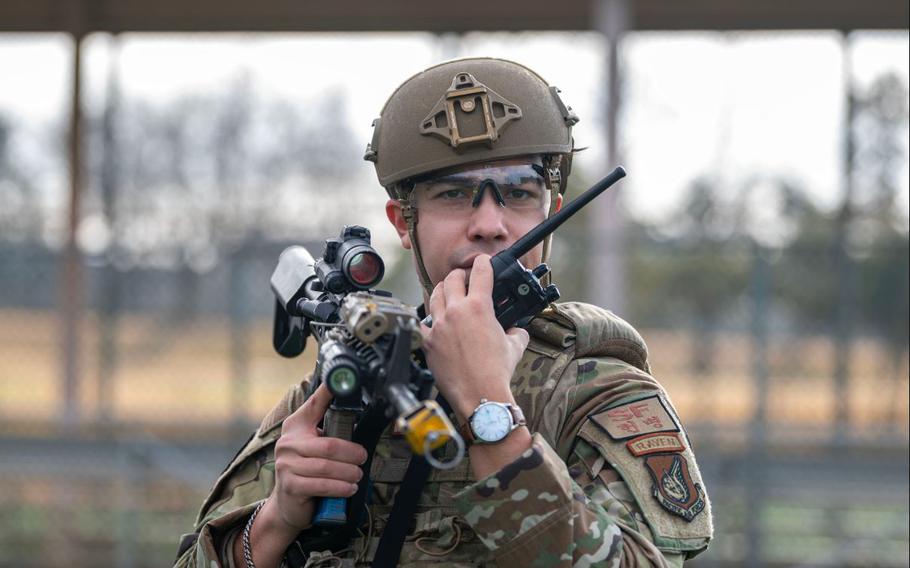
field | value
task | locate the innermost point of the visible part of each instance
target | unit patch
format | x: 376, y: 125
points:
x: 673, y: 486
x: 655, y: 443
x: 635, y: 418
x: 650, y: 433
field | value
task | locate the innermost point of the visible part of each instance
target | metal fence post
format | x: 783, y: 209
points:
x: 71, y: 284
x: 756, y: 493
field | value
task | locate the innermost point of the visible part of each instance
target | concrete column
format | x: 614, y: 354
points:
x: 845, y: 267
x: 607, y: 269
x: 111, y: 296
x: 71, y: 285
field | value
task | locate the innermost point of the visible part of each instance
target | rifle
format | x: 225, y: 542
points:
x: 368, y: 344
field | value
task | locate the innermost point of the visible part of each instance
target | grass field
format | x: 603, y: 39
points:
x: 180, y: 379
x: 184, y: 374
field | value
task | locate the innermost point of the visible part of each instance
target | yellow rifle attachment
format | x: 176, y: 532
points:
x: 427, y: 428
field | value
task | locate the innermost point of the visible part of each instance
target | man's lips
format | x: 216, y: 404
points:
x: 468, y: 262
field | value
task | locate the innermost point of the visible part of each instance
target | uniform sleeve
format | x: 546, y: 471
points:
x: 537, y: 511
x: 615, y: 484
x: 247, y: 480
x: 215, y: 543
x: 221, y: 525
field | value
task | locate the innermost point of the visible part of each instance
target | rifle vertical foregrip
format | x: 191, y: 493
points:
x: 332, y: 511
x: 339, y: 423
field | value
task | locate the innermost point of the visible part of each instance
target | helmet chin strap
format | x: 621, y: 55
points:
x: 552, y: 180
x: 410, y: 216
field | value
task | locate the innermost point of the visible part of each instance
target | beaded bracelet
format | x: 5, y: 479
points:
x: 247, y: 552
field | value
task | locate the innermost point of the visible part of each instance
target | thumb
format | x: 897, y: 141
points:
x: 520, y: 335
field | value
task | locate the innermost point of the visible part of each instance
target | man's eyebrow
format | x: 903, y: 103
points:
x: 450, y: 178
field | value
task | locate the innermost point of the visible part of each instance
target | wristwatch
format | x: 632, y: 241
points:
x: 491, y: 422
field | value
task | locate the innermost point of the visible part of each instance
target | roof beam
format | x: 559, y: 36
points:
x: 464, y: 16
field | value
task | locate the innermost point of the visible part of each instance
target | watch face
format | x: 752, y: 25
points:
x: 491, y: 422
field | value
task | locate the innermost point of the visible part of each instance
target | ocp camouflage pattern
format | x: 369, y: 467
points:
x: 575, y: 498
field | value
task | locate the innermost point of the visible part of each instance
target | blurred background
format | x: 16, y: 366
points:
x: 155, y: 159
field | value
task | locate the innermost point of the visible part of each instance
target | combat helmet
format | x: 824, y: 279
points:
x: 469, y: 111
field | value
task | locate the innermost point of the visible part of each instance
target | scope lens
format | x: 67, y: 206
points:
x: 342, y: 381
x: 365, y: 269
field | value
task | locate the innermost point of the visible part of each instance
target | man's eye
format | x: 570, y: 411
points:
x: 519, y: 194
x: 451, y: 194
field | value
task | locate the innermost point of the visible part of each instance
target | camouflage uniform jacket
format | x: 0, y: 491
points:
x: 610, y: 479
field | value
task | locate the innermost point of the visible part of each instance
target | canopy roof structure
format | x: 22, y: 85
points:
x: 86, y: 16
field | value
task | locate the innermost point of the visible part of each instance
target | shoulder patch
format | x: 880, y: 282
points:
x: 655, y: 443
x: 673, y: 486
x: 643, y: 441
x: 631, y: 419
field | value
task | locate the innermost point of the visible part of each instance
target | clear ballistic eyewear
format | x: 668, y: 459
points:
x: 518, y: 187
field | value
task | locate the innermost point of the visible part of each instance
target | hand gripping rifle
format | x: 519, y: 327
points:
x: 366, y: 341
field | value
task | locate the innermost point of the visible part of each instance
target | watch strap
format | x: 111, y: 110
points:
x: 467, y: 433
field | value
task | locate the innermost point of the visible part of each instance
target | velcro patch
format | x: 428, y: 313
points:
x: 655, y: 443
x: 673, y: 485
x: 678, y: 521
x: 633, y: 419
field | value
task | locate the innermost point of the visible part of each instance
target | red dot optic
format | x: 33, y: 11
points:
x: 365, y: 268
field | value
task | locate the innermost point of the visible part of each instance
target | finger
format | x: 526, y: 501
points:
x: 318, y: 487
x: 425, y: 330
x: 327, y: 448
x: 454, y: 284
x: 482, y: 279
x: 324, y: 468
x: 521, y: 335
x: 437, y: 302
x: 312, y: 411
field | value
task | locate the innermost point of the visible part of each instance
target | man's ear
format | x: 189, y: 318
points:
x: 396, y: 218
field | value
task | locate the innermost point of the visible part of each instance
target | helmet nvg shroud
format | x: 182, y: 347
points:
x: 469, y: 111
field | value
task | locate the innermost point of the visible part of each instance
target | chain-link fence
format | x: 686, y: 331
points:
x: 780, y: 331
x: 801, y: 430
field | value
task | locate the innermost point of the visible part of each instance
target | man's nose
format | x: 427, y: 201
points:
x: 487, y: 219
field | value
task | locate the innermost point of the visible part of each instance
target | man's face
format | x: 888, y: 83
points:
x: 471, y: 211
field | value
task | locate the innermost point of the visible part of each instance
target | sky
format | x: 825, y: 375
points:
x: 725, y: 105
